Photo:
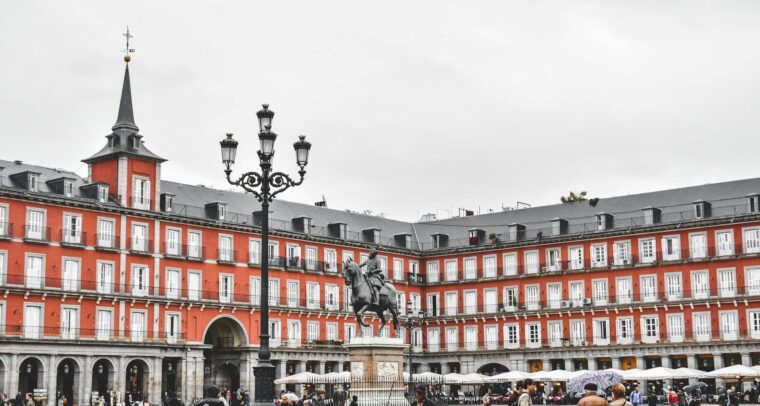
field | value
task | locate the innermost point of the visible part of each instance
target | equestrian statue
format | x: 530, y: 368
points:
x: 369, y: 292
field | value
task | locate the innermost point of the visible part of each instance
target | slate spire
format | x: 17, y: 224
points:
x: 126, y: 118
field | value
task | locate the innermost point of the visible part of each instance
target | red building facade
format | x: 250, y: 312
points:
x: 125, y: 282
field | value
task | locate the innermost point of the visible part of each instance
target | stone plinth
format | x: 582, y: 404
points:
x: 377, y: 365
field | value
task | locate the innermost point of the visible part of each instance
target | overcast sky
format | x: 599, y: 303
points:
x: 411, y: 106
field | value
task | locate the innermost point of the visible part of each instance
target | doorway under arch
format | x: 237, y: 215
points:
x: 227, y: 377
x: 67, y: 380
x: 228, y: 341
x: 493, y: 368
x: 103, y: 376
x: 31, y: 375
x: 137, y: 381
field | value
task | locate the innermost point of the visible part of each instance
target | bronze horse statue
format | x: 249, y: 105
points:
x: 361, y: 298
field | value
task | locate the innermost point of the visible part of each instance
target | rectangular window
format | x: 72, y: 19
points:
x: 140, y: 280
x: 33, y: 182
x: 725, y: 242
x: 72, y: 229
x: 274, y: 253
x: 331, y: 261
x: 106, y: 234
x: 35, y: 225
x: 553, y: 259
x: 69, y: 323
x: 452, y: 339
x: 555, y: 334
x: 577, y: 293
x: 255, y: 290
x: 432, y: 272
x: 600, y: 292
x: 624, y: 292
x: 490, y: 298
x: 3, y: 269
x: 489, y: 267
x: 599, y: 255
x: 254, y: 251
x: 554, y: 295
x: 751, y: 240
x: 312, y: 295
x: 650, y: 332
x: 311, y: 258
x: 349, y: 332
x: 331, y: 332
x: 470, y: 302
x: 452, y: 272
x: 471, y: 338
x: 451, y: 303
x: 172, y: 283
x: 225, y: 248
x: 625, y: 330
x: 532, y: 301
x: 70, y: 274
x: 726, y: 283
x: 753, y: 324
x: 671, y: 248
x: 752, y: 281
x: 225, y: 288
x: 621, y: 252
x: 510, y: 264
x: 4, y: 228
x: 702, y: 328
x: 294, y: 334
x: 601, y: 332
x: 647, y: 253
x: 173, y: 244
x: 511, y: 336
x: 578, y: 332
x: 103, y: 324
x: 675, y: 328
x: 104, y: 277
x: 293, y: 293
x: 194, y: 249
x: 700, y: 285
x: 172, y: 328
x: 138, y: 328
x: 433, y: 303
x: 332, y: 300
x: 510, y: 298
x: 673, y: 286
x: 470, y: 268
x: 698, y: 246
x: 434, y: 339
x: 293, y: 253
x: 141, y: 193
x: 531, y: 262
x: 140, y: 237
x: 32, y: 321
x: 576, y: 258
x: 398, y: 269
x: 34, y: 271
x: 312, y: 331
x: 193, y: 285
x: 275, y: 332
x: 729, y: 326
x: 648, y: 288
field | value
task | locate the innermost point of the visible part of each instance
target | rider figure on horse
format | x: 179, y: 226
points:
x: 374, y: 275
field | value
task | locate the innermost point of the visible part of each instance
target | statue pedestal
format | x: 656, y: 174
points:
x: 377, y: 365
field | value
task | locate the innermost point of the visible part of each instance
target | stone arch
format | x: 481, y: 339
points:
x: 4, y: 374
x: 104, y: 375
x: 137, y: 380
x: 69, y: 379
x: 31, y: 374
x: 492, y: 368
x: 225, y: 331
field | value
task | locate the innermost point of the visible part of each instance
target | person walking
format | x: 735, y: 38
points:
x: 636, y: 397
x: 526, y: 397
x: 29, y: 400
x: 590, y: 397
x: 420, y: 395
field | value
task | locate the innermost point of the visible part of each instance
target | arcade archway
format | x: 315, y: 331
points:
x: 492, y: 369
x: 103, y: 376
x: 137, y: 381
x: 228, y: 341
x: 68, y: 380
x: 31, y: 375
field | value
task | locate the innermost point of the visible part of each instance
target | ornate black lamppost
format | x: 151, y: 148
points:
x: 265, y: 186
x: 413, y: 320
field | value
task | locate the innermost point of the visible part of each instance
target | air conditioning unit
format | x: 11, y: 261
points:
x: 565, y: 304
x: 587, y: 301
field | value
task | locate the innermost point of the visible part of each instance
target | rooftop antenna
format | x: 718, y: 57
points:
x: 127, y: 50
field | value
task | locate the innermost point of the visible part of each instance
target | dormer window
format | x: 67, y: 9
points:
x: 753, y: 202
x: 222, y: 211
x: 68, y: 188
x: 168, y: 203
x: 136, y: 142
x: 102, y: 194
x: 34, y: 180
x: 215, y: 210
x: 338, y: 230
x: 371, y: 235
x: 440, y: 241
x: 604, y: 221
x: 701, y: 209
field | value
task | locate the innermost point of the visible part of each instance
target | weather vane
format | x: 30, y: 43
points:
x: 128, y: 50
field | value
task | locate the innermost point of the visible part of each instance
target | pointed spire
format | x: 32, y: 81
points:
x: 126, y: 118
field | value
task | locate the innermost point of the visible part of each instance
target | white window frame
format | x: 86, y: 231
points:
x: 702, y: 326
x: 398, y: 269
x: 451, y: 309
x: 173, y: 287
x: 470, y: 265
x: 140, y: 287
x: 34, y: 330
x: 698, y: 292
x: 226, y: 287
x: 511, y: 338
x: 728, y: 332
x: 103, y: 332
x: 452, y: 340
x: 136, y: 243
x: 138, y: 335
x: 36, y: 230
x: 490, y: 306
x: 726, y: 291
x: 293, y: 297
x: 599, y: 255
x: 647, y: 255
x: 452, y: 270
x: 600, y: 294
x: 469, y: 301
x: 601, y: 336
x: 646, y: 337
x: 724, y: 247
x: 648, y: 295
x: 531, y: 262
x: 576, y: 257
x: 697, y: 248
x: 172, y: 336
x: 471, y: 338
x: 173, y: 246
x: 254, y: 251
x: 433, y: 272
x: 675, y: 247
x: 71, y: 282
x: 620, y: 297
x: 331, y: 260
x: 753, y: 323
x: 434, y: 339
x: 624, y: 330
x: 532, y: 297
x: 553, y: 259
x: 676, y: 327
x: 194, y: 251
x: 673, y: 286
x: 510, y: 264
x: 69, y: 326
x: 72, y: 233
x: 554, y: 295
x: 34, y: 281
x: 194, y: 292
x: 751, y: 240
x: 139, y: 199
x: 621, y: 253
x: 226, y: 252
x: 489, y: 266
x: 105, y: 239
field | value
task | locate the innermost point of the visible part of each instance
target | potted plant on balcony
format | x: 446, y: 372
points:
x: 494, y: 238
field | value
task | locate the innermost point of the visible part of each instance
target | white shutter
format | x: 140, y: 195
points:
x: 138, y: 326
x: 255, y: 291
x: 193, y: 285
x: 70, y: 275
x: 34, y: 272
x: 104, y: 325
x: 32, y: 327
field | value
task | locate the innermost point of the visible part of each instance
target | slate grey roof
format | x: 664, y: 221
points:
x: 120, y: 141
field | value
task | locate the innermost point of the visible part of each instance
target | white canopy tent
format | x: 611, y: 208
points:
x: 301, y: 377
x: 469, y: 379
x: 511, y: 376
x: 687, y: 373
x: 651, y: 374
x: 734, y: 371
x: 557, y: 375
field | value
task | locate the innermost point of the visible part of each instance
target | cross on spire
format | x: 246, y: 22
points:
x: 127, y: 50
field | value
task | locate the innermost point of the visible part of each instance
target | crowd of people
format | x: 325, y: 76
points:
x: 19, y: 400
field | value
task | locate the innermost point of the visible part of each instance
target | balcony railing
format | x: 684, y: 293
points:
x: 6, y: 230
x: 82, y: 334
x: 172, y: 249
x: 140, y: 203
x: 37, y: 233
x: 226, y: 255
x: 74, y: 237
x: 106, y: 241
x: 140, y: 245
